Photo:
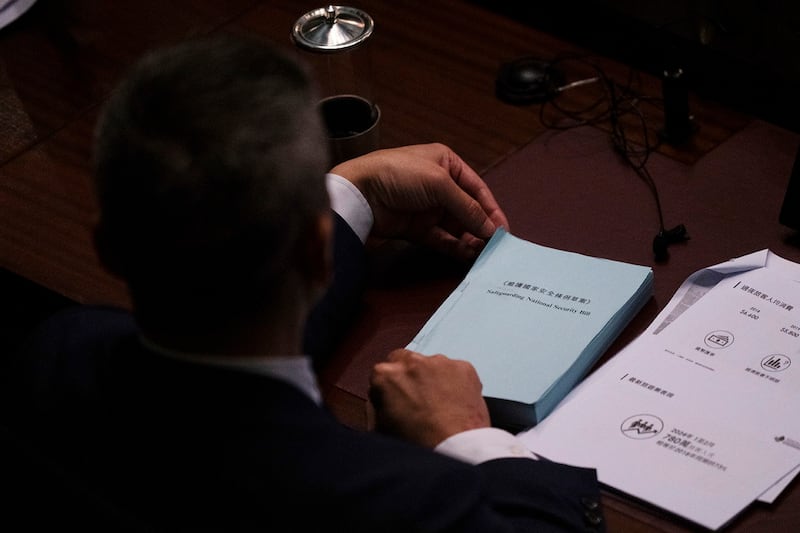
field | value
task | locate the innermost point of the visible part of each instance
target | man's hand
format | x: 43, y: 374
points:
x: 426, y: 193
x: 426, y: 399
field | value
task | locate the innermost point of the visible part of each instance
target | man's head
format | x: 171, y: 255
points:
x: 209, y: 167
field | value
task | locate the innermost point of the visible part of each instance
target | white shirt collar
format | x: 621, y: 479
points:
x: 296, y: 370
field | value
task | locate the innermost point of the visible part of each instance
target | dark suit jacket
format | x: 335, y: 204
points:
x: 176, y: 446
x: 330, y: 317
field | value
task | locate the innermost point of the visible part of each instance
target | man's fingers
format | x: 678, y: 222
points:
x: 475, y: 188
x: 465, y: 209
x: 400, y: 354
x: 466, y: 247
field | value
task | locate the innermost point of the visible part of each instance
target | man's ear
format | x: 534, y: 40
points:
x: 316, y: 250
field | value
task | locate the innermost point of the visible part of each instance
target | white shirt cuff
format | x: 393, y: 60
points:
x: 483, y: 444
x: 350, y: 204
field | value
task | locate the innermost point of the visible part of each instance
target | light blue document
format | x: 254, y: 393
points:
x: 533, y: 320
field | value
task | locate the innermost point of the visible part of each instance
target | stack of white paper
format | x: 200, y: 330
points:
x: 533, y: 320
x: 699, y: 414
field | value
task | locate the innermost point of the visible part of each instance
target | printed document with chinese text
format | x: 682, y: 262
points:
x: 533, y: 320
x: 702, y: 406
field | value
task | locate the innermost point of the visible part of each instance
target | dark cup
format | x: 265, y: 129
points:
x: 352, y: 125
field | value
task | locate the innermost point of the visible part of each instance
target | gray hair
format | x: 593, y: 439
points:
x: 209, y: 163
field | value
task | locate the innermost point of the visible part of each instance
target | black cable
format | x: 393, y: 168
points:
x: 615, y: 102
x: 581, y: 117
x: 624, y: 149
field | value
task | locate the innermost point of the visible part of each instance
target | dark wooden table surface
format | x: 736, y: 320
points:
x: 432, y: 66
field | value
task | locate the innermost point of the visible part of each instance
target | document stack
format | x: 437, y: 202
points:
x: 533, y: 321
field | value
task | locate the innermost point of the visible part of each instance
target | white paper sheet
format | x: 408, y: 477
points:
x: 698, y: 414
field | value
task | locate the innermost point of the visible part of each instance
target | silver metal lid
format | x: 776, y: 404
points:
x: 332, y: 29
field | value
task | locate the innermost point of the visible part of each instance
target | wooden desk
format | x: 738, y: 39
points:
x: 433, y: 67
x: 433, y: 62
